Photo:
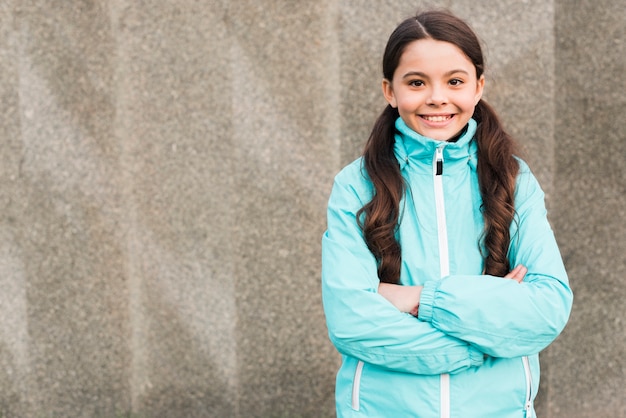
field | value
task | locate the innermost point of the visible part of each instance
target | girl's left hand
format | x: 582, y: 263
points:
x: 517, y: 273
x: 405, y: 298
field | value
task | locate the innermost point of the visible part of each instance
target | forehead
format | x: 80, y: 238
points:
x: 429, y: 55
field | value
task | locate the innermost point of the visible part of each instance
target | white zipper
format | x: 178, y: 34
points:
x: 442, y: 229
x: 528, y: 406
x: 356, y: 386
x: 444, y: 262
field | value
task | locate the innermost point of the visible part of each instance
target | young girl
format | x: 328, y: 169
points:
x: 441, y: 277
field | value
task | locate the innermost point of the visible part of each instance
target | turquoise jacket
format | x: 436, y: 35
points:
x: 473, y: 350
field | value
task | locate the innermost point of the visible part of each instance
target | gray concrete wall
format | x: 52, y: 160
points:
x: 164, y: 170
x: 587, y: 366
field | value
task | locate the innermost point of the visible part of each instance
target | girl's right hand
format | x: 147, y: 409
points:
x: 517, y: 273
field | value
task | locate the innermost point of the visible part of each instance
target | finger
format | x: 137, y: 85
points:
x: 513, y: 272
x: 517, y: 274
x: 520, y: 273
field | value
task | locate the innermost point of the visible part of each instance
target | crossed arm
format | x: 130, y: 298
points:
x: 406, y: 298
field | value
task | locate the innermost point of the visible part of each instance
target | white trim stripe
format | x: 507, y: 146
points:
x: 356, y: 386
x: 445, y: 395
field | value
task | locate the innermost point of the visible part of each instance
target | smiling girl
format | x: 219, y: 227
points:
x: 441, y: 277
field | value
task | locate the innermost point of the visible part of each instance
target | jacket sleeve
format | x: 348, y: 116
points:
x: 499, y: 316
x: 364, y: 325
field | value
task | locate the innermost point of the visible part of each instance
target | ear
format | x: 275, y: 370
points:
x: 480, y: 86
x: 388, y: 93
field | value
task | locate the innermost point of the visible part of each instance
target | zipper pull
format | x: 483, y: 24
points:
x: 438, y: 163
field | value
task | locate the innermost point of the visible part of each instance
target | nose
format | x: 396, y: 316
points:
x: 437, y: 96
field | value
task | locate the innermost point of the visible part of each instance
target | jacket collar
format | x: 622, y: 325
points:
x: 410, y: 145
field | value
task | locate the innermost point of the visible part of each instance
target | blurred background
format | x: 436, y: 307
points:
x: 164, y: 172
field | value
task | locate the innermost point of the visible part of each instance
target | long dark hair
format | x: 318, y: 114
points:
x: 497, y: 167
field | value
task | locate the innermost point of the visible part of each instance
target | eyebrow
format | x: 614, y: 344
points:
x: 421, y: 74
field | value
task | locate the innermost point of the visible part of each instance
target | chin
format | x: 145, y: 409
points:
x: 438, y: 136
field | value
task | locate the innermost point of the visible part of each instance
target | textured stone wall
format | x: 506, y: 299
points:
x: 164, y: 170
x: 587, y: 366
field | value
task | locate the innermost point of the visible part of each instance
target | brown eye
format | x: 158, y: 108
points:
x: 416, y: 83
x: 456, y: 82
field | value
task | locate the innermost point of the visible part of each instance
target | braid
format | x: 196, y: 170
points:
x: 382, y: 212
x: 497, y: 171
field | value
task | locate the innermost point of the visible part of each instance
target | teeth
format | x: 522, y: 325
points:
x: 436, y: 118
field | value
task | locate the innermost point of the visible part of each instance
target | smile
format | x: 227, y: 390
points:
x: 437, y: 118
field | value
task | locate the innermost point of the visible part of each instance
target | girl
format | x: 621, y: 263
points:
x: 441, y: 277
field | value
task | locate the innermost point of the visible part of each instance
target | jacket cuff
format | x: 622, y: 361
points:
x: 425, y: 310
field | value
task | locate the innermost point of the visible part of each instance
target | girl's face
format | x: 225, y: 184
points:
x: 434, y: 88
